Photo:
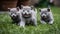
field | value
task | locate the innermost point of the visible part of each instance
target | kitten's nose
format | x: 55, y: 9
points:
x: 25, y: 13
x: 43, y: 16
x: 13, y: 16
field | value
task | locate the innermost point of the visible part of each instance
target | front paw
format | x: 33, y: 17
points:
x: 43, y: 22
x: 22, y: 24
x: 51, y: 22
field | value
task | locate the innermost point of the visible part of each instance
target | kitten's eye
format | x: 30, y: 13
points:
x: 15, y: 13
x: 11, y: 13
x: 28, y: 10
x: 45, y: 13
x: 23, y: 10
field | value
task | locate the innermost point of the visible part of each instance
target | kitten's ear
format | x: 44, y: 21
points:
x: 18, y: 8
x: 39, y: 9
x: 32, y: 8
x: 21, y: 6
x: 9, y: 9
x: 48, y: 9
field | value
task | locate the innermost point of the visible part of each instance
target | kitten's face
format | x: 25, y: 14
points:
x: 44, y: 12
x: 13, y: 12
x: 26, y: 12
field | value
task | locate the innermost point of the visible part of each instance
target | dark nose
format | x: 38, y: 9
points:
x: 44, y: 16
x: 25, y: 13
x: 13, y: 16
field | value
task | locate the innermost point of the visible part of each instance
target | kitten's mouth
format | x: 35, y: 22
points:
x: 26, y: 15
x: 14, y: 15
x: 44, y: 17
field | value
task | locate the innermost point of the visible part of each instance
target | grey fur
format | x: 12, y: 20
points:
x: 14, y: 14
x: 46, y: 16
x: 32, y: 17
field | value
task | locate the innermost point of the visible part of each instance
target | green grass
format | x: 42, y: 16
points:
x: 6, y: 27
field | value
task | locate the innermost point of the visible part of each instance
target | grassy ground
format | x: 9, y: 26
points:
x: 6, y: 27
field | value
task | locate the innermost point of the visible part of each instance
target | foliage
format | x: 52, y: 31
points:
x: 44, y: 3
